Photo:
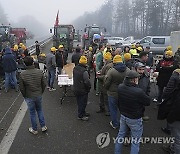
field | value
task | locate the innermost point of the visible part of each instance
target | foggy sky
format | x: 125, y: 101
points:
x: 45, y: 10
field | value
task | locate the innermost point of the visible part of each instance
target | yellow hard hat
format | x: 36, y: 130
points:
x: 16, y: 47
x: 169, y: 48
x: 117, y: 59
x: 61, y: 46
x: 133, y: 46
x: 169, y: 53
x: 21, y: 44
x: 107, y: 56
x: 140, y: 48
x: 127, y: 56
x: 23, y: 47
x: 90, y: 49
x: 179, y: 47
x: 53, y: 49
x: 83, y: 60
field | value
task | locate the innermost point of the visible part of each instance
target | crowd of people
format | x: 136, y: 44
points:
x: 121, y: 81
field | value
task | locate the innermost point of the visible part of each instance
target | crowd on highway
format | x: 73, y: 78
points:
x: 121, y: 81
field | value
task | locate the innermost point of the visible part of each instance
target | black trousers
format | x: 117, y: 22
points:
x: 82, y: 103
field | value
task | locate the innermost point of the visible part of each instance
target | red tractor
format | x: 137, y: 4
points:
x: 20, y: 34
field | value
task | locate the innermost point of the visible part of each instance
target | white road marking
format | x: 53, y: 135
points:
x: 9, y: 108
x: 13, y: 129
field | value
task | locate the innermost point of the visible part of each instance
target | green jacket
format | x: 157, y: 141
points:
x: 32, y: 82
x: 114, y: 77
x: 99, y: 61
x: 108, y: 65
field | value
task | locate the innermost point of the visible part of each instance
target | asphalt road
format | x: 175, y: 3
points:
x: 66, y: 134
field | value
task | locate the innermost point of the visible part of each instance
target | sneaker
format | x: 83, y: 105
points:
x: 112, y: 125
x: 52, y: 89
x: 83, y: 118
x: 87, y: 114
x: 33, y: 131
x: 44, y: 128
x: 145, y: 118
x: 48, y: 87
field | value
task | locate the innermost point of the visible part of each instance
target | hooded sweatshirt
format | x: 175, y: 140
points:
x: 114, y: 77
x: 9, y: 61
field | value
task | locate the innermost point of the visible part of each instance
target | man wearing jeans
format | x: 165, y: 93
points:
x: 32, y: 86
x: 9, y: 67
x: 51, y: 67
x: 131, y: 102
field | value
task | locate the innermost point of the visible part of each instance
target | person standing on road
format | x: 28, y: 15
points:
x: 144, y: 82
x: 51, y: 67
x: 32, y: 85
x: 76, y: 56
x: 172, y: 94
x: 114, y: 77
x: 103, y: 105
x: 131, y: 102
x: 61, y: 58
x: 37, y: 48
x: 81, y: 87
x: 9, y: 67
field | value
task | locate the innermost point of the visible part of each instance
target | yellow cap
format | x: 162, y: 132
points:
x: 169, y: 47
x: 83, y: 60
x: 90, y: 49
x: 21, y: 44
x: 127, y: 56
x: 53, y: 49
x: 107, y: 56
x: 61, y: 46
x: 179, y: 47
x: 15, y: 47
x: 23, y: 47
x: 140, y: 48
x: 117, y: 59
x: 133, y: 46
x: 169, y: 53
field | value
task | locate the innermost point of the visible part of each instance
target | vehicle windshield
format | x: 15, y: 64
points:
x: 95, y: 30
x: 62, y: 30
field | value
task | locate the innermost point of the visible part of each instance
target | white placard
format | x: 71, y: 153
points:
x: 64, y: 80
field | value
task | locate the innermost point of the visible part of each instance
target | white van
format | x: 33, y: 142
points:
x: 157, y: 43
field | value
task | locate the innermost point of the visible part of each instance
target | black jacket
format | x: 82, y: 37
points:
x: 173, y: 90
x: 165, y: 68
x: 144, y: 83
x: 81, y: 80
x: 61, y: 58
x: 131, y: 100
x: 75, y: 58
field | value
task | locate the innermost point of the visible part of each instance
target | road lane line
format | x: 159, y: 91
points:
x: 9, y: 108
x: 13, y: 129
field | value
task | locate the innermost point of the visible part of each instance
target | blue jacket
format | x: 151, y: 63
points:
x: 9, y: 61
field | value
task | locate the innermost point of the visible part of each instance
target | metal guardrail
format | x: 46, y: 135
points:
x: 32, y: 48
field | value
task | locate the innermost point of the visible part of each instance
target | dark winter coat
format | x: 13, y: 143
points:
x: 61, y: 58
x: 81, y: 80
x: 131, y: 100
x: 75, y: 58
x: 165, y: 68
x: 9, y: 61
x: 173, y: 90
x: 114, y: 77
x: 144, y: 83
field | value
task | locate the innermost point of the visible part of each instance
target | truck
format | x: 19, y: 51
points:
x: 20, y: 34
x: 175, y: 40
x: 63, y: 35
x: 7, y: 39
x: 91, y: 33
